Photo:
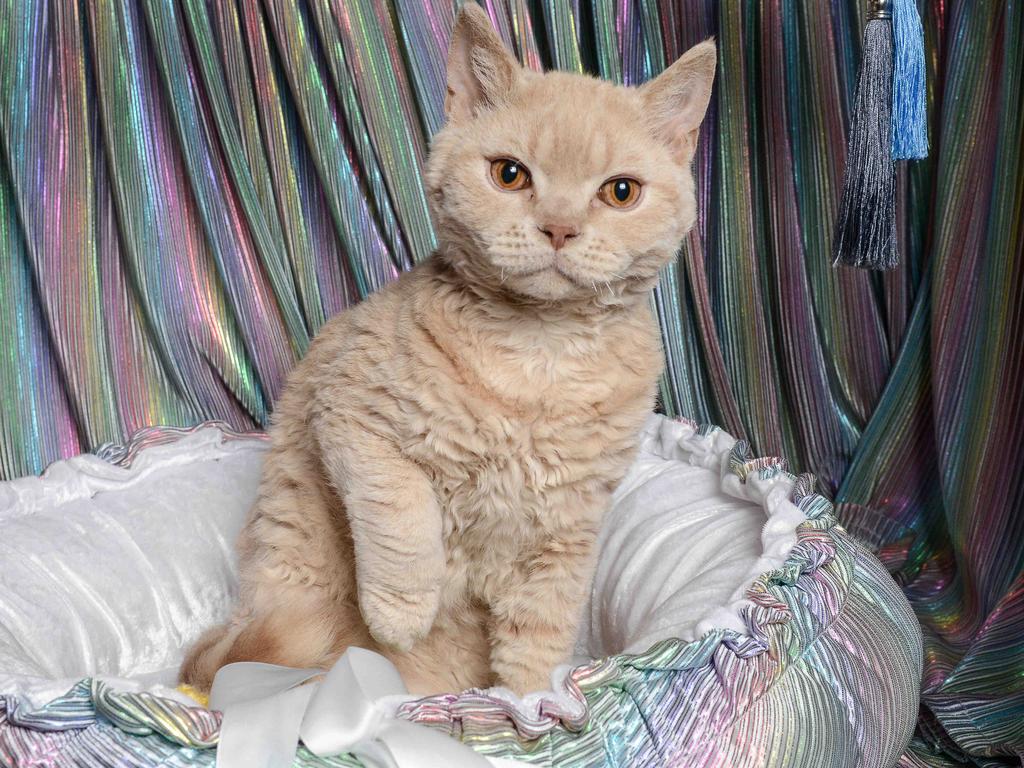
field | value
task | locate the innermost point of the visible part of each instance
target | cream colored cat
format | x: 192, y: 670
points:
x: 442, y: 458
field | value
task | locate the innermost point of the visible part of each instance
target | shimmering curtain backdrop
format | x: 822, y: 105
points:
x: 188, y: 188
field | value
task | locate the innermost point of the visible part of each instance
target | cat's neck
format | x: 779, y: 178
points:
x: 520, y: 352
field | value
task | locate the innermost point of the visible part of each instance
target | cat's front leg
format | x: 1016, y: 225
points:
x: 534, y: 622
x: 395, y: 520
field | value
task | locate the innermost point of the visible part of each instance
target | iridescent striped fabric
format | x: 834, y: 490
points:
x: 188, y: 189
x: 829, y: 663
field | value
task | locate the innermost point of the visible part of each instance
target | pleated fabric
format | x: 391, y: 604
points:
x: 188, y: 189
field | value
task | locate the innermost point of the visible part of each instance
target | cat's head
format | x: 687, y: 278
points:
x: 558, y: 186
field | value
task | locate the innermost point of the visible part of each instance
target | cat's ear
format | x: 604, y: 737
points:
x: 481, y: 71
x: 677, y: 99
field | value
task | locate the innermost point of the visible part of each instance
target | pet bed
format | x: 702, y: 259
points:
x: 732, y: 621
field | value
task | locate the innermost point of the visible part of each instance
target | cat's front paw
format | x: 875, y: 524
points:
x: 398, y: 618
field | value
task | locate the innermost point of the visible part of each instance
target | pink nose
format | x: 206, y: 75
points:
x: 559, y: 233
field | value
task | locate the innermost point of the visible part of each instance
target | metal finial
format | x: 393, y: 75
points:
x: 880, y: 9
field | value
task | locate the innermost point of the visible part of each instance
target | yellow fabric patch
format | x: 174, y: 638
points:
x: 195, y: 693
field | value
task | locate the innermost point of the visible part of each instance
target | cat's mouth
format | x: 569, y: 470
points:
x: 568, y: 276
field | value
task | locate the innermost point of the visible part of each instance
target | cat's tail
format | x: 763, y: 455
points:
x: 296, y: 634
x: 207, y: 656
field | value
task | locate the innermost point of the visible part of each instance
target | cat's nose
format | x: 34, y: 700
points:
x: 559, y: 233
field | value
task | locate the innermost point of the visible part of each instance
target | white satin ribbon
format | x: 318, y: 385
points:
x: 268, y: 708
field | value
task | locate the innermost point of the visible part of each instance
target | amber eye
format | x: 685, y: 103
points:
x: 509, y: 174
x: 620, y: 193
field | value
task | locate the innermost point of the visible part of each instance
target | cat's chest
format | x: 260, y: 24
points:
x: 487, y: 458
x: 509, y: 432
x: 503, y: 495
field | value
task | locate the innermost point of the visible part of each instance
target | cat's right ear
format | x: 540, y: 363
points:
x: 481, y: 71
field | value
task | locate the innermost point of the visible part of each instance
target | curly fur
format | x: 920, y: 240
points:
x: 442, y: 458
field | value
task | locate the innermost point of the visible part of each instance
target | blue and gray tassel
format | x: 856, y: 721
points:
x: 889, y: 123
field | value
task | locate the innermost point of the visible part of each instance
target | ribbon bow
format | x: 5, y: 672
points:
x: 267, y: 709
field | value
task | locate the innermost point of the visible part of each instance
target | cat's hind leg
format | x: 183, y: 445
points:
x: 297, y: 604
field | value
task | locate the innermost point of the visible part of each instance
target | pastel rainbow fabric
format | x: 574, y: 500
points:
x: 826, y: 671
x: 189, y: 189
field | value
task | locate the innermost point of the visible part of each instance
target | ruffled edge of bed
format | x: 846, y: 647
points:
x: 115, y: 466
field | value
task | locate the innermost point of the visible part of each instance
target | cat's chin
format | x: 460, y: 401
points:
x: 553, y: 283
x: 549, y: 284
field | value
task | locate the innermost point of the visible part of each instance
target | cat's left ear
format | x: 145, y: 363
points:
x: 677, y: 99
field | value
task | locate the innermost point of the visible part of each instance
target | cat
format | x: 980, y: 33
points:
x: 443, y: 456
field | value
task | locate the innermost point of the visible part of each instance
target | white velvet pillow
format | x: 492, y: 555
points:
x: 108, y: 570
x: 681, y: 544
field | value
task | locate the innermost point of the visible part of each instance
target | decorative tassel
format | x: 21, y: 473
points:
x: 909, y: 121
x: 866, y: 228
